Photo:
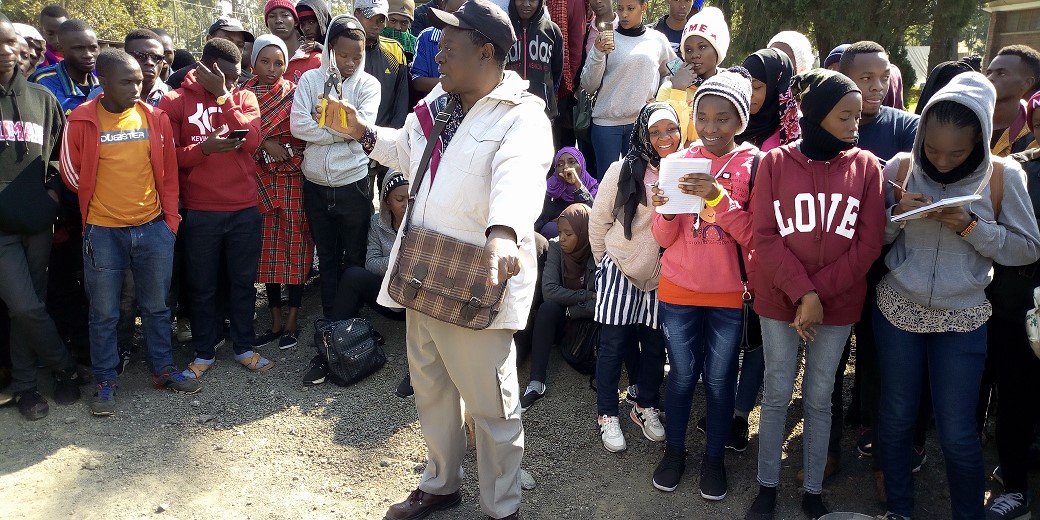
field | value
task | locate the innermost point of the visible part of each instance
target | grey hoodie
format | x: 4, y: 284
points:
x: 930, y: 264
x: 330, y: 159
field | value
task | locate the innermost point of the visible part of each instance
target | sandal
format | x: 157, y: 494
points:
x: 253, y: 363
x: 197, y: 369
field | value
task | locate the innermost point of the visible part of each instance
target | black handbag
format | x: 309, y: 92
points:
x: 351, y: 349
x: 751, y: 330
x: 585, y: 101
x: 580, y: 344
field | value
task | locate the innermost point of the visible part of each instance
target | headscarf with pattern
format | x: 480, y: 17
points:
x: 779, y: 109
x: 631, y: 190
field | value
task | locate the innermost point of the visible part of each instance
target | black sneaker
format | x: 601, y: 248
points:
x: 316, y: 373
x: 287, y: 341
x: 812, y: 506
x: 713, y: 478
x: 865, y: 443
x: 66, y: 387
x: 31, y: 405
x: 104, y: 403
x: 262, y: 340
x: 919, y: 457
x: 670, y: 470
x: 764, y: 506
x: 404, y: 388
x: 530, y: 396
x: 124, y: 360
x: 738, y: 435
x: 632, y: 395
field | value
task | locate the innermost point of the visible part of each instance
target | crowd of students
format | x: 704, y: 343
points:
x: 133, y: 187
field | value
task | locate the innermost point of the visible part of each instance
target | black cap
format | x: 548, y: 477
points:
x: 226, y: 23
x: 481, y: 16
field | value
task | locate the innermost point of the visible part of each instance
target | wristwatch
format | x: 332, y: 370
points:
x: 223, y: 99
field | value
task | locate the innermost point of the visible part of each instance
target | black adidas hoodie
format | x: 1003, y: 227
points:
x: 537, y: 55
x: 31, y: 122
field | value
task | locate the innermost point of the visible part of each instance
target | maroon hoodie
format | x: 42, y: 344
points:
x: 221, y: 181
x: 818, y: 226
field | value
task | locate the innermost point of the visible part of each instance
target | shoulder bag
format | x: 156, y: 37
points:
x: 437, y: 275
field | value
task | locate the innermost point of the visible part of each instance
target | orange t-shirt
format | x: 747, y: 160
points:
x: 124, y: 194
x: 669, y: 292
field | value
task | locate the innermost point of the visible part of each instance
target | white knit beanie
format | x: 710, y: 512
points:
x: 732, y: 84
x: 711, y: 25
x: 804, y: 56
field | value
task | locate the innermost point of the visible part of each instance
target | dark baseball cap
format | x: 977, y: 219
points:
x: 226, y: 23
x: 481, y: 16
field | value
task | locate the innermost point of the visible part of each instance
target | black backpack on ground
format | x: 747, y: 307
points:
x: 351, y: 349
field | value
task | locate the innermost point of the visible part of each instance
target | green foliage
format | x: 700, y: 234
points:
x: 111, y: 19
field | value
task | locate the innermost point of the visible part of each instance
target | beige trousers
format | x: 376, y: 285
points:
x: 450, y: 364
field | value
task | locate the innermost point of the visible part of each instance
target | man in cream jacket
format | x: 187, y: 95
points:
x: 485, y: 186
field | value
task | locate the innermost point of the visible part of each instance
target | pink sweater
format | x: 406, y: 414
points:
x: 706, y: 262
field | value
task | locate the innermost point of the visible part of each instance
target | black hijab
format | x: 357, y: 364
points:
x: 774, y: 68
x: 941, y: 75
x: 631, y: 189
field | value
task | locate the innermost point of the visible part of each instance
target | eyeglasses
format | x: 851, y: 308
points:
x: 145, y: 56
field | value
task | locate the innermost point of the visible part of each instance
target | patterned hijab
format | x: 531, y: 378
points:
x: 631, y: 189
x: 779, y: 110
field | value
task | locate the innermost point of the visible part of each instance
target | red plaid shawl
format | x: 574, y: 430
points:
x: 280, y: 183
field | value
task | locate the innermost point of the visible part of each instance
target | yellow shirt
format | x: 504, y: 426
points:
x: 682, y: 102
x: 124, y: 194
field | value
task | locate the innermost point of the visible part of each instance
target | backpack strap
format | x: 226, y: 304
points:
x: 996, y: 188
x: 740, y: 251
x: 904, y: 169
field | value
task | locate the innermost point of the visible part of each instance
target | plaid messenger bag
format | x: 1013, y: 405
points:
x: 437, y: 275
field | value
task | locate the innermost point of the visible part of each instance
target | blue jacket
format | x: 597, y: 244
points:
x: 57, y: 80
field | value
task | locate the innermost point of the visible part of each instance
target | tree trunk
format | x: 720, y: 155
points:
x: 947, y: 20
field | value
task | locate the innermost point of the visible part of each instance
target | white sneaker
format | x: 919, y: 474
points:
x: 610, y: 433
x: 650, y: 421
x: 183, y: 331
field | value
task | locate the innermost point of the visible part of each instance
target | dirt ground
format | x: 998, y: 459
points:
x: 262, y: 446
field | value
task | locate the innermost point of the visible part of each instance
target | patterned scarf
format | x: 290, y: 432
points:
x: 275, y: 106
x: 558, y: 14
x: 631, y: 190
x: 779, y: 110
x: 426, y: 113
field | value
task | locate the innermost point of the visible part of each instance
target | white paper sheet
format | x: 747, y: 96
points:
x: 671, y: 170
x: 944, y: 203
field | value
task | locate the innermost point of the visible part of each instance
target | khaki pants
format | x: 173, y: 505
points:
x: 450, y: 364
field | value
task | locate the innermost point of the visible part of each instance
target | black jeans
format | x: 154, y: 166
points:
x: 359, y: 287
x: 548, y: 329
x: 339, y: 220
x: 23, y: 286
x: 228, y: 242
x: 1018, y: 383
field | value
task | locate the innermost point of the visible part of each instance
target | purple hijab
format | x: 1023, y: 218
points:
x: 557, y: 189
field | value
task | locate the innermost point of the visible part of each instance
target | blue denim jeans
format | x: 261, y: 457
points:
x: 108, y: 253
x: 782, y: 344
x: 610, y: 143
x: 954, y: 361
x: 225, y: 243
x: 701, y: 340
x: 616, y: 343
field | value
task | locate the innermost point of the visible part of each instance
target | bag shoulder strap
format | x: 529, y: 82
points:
x: 996, y: 188
x: 740, y: 250
x: 431, y: 142
x: 904, y: 169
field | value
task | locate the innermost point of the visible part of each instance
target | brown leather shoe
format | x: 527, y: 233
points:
x: 420, y: 503
x: 514, y: 516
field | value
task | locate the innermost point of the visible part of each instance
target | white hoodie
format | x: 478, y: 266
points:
x: 329, y: 159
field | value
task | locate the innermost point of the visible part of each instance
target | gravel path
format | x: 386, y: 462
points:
x: 263, y: 446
